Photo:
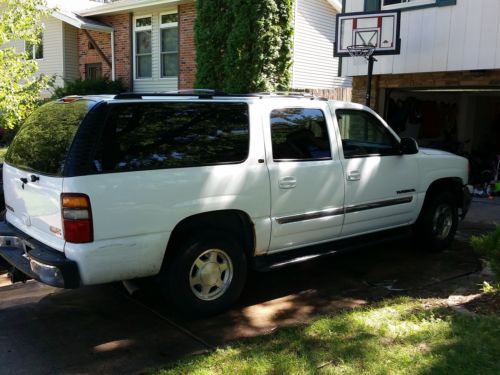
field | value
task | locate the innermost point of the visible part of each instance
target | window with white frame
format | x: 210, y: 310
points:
x: 143, y: 47
x: 35, y: 50
x: 393, y: 4
x: 169, y: 45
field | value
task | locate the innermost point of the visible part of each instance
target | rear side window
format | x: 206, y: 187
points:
x: 143, y: 136
x: 42, y: 143
x: 299, y: 134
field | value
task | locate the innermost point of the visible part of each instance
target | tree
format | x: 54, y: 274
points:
x: 213, y: 23
x: 254, y: 44
x: 20, y: 86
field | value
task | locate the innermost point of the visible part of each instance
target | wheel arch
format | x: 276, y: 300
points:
x: 450, y: 184
x: 236, y: 222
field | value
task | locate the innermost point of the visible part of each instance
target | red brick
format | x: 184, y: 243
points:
x: 187, y: 51
x: 122, y: 27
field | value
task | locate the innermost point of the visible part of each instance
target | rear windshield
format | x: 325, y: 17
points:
x: 43, y: 141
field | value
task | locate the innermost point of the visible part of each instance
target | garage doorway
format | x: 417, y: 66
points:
x: 461, y: 121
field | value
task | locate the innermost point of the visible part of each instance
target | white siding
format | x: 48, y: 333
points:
x: 354, y: 6
x: 314, y: 65
x: 52, y: 62
x: 155, y: 83
x: 71, y: 70
x: 465, y: 36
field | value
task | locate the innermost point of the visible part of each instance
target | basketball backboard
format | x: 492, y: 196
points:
x: 378, y: 29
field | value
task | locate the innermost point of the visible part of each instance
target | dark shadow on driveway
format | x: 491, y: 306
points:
x: 102, y: 330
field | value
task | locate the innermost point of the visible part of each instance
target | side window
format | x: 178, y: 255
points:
x: 299, y: 134
x: 172, y: 135
x: 364, y: 135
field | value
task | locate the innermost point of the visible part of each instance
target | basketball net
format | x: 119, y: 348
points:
x: 361, y: 53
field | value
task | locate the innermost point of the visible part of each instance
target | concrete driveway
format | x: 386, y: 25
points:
x: 104, y: 330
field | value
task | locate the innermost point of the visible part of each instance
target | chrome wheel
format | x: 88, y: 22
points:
x: 442, y: 221
x: 211, y: 274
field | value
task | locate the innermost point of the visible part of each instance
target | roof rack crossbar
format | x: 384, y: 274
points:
x: 209, y: 94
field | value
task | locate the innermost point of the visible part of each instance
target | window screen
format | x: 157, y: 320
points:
x: 299, y: 134
x: 173, y: 135
x: 364, y: 135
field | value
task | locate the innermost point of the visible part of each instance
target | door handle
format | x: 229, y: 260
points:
x: 288, y: 182
x: 354, y: 176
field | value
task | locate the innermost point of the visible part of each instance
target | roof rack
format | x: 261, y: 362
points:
x: 201, y: 93
x: 209, y: 94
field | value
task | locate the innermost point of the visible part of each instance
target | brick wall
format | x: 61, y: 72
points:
x: 463, y: 79
x: 122, y: 26
x: 187, y: 52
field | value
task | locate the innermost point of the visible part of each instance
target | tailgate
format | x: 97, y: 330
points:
x: 34, y: 168
x: 34, y: 207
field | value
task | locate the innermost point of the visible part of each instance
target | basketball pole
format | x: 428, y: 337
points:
x: 371, y: 60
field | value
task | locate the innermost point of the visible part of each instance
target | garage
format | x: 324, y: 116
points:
x: 462, y: 121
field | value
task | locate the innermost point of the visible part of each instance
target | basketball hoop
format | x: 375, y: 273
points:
x: 361, y: 52
x: 364, y: 35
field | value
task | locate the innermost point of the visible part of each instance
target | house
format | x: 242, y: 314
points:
x: 57, y: 53
x: 444, y: 86
x: 154, y: 48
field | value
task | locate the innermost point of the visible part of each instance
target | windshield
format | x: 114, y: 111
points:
x: 42, y: 143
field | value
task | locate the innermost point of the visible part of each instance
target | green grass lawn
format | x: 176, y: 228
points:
x: 402, y: 336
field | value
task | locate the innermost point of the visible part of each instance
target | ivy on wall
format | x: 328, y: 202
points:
x: 244, y: 45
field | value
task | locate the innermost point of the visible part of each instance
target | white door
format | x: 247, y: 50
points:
x: 307, y: 186
x: 380, y: 182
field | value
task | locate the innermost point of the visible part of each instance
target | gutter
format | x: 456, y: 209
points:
x: 335, y: 4
x: 123, y: 6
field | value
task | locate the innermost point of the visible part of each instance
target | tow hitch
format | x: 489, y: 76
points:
x: 17, y: 276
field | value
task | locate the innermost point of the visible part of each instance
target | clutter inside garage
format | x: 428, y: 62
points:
x: 464, y: 122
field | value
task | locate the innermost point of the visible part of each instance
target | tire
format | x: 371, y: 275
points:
x: 438, y: 222
x: 206, y: 276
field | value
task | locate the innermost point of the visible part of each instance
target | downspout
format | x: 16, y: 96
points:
x: 113, y: 76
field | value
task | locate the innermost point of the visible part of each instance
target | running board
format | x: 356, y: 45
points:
x: 271, y: 262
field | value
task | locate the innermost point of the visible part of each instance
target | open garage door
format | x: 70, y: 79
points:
x: 462, y: 121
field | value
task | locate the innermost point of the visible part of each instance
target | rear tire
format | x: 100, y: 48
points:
x: 438, y: 222
x: 207, y: 274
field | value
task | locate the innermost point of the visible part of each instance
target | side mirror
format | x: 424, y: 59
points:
x: 408, y: 146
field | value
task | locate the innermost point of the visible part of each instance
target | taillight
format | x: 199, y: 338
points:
x: 77, y: 218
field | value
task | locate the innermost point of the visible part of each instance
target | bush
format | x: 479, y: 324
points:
x: 90, y: 87
x: 488, y: 246
x: 244, y: 45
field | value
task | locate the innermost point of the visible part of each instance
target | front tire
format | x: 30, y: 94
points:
x: 207, y: 274
x: 438, y: 223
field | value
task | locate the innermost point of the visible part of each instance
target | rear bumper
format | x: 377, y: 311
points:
x: 36, y: 260
x: 467, y: 199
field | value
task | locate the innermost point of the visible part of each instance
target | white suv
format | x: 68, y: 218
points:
x: 195, y: 188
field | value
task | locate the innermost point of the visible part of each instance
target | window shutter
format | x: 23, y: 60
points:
x: 372, y: 5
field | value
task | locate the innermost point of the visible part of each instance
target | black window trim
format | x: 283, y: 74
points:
x: 395, y: 140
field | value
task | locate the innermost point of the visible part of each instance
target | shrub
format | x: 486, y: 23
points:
x: 90, y: 87
x: 244, y: 45
x: 488, y: 245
